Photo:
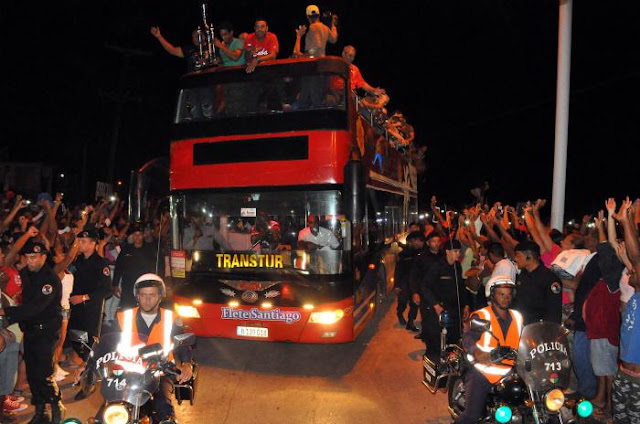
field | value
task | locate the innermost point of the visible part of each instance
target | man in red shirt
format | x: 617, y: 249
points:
x: 260, y: 46
x: 357, y: 81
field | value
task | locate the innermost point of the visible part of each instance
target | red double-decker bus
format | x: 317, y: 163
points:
x: 282, y: 198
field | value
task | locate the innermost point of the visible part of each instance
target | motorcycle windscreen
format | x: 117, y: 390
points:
x: 122, y: 372
x: 543, y: 356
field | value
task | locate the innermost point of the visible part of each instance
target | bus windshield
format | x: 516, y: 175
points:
x: 262, y: 232
x: 211, y: 99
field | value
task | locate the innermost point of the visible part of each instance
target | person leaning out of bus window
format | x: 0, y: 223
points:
x: 356, y: 79
x: 314, y: 237
x: 260, y: 46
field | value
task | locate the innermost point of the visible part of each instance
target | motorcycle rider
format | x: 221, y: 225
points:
x: 506, y: 325
x: 148, y: 324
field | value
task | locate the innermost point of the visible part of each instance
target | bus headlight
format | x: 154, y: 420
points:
x: 326, y: 317
x: 116, y: 414
x: 554, y: 400
x: 187, y: 311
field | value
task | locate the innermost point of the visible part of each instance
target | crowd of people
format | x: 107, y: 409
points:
x: 585, y: 277
x: 64, y: 268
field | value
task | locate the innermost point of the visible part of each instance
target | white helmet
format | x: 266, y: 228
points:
x: 149, y: 280
x: 498, y: 281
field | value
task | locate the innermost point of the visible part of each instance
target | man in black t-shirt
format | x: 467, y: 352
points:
x: 539, y: 291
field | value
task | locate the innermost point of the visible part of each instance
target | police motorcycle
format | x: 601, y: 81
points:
x: 129, y: 377
x: 530, y: 393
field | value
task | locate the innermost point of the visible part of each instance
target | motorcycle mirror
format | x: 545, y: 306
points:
x: 479, y: 325
x: 79, y: 336
x: 153, y: 350
x: 186, y: 339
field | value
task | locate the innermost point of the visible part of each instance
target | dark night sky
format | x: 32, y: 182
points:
x: 475, y: 77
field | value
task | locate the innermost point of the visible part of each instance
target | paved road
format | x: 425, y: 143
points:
x: 376, y: 379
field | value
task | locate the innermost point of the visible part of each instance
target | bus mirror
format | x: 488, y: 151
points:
x: 354, y: 191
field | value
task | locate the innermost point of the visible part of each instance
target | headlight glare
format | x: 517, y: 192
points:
x: 116, y: 414
x: 187, y: 311
x: 554, y: 400
x: 326, y: 317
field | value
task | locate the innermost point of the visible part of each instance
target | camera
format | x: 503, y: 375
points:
x: 326, y: 18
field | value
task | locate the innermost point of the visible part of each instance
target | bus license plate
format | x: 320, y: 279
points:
x: 252, y: 332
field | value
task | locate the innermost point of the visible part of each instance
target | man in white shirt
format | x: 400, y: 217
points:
x: 315, y: 237
x: 200, y: 236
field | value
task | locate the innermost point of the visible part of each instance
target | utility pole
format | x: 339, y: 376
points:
x: 562, y: 114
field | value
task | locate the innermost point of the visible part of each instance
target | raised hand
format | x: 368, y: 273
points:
x: 610, y: 204
x: 155, y: 31
x: 623, y: 212
x: 301, y: 30
x: 33, y: 231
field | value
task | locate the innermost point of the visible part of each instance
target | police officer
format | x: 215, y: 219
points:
x: 443, y: 289
x: 135, y: 260
x: 415, y: 245
x: 539, y: 289
x: 40, y: 318
x: 506, y: 325
x: 421, y: 263
x: 92, y: 283
x: 148, y: 324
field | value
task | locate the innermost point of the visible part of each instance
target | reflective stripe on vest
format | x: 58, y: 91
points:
x: 486, y: 343
x: 127, y: 338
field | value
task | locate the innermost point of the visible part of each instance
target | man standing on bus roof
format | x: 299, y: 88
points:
x: 231, y: 48
x: 315, y: 237
x: 261, y: 45
x: 357, y: 81
x: 190, y: 53
x: 317, y: 35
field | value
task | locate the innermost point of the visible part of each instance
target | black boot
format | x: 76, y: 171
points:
x: 58, y: 411
x: 412, y: 327
x: 41, y: 416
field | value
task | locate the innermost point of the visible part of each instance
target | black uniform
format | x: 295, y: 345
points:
x: 40, y: 318
x: 91, y: 277
x: 442, y: 284
x: 420, y: 265
x: 132, y: 262
x: 401, y: 281
x: 539, y: 295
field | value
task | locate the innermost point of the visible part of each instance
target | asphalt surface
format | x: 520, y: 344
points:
x: 376, y: 379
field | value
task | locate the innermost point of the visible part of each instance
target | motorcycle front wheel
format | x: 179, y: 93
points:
x: 456, y: 396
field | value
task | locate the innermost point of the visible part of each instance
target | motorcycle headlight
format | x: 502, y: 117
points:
x: 554, y: 400
x: 584, y: 409
x: 503, y: 414
x: 116, y: 414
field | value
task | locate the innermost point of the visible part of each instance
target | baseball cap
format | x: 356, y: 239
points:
x: 452, y: 245
x: 34, y: 247
x: 135, y: 227
x: 312, y: 10
x: 415, y: 235
x: 88, y: 233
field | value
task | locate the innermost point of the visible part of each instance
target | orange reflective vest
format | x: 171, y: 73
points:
x: 486, y: 343
x: 160, y: 333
